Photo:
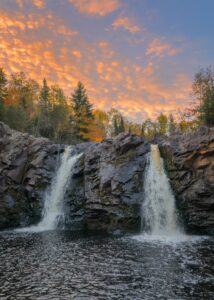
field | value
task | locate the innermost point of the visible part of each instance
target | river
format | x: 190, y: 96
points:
x: 63, y: 265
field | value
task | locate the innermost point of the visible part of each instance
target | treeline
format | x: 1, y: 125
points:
x: 44, y: 110
x: 199, y: 113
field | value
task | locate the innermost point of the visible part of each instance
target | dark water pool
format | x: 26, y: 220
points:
x: 62, y: 266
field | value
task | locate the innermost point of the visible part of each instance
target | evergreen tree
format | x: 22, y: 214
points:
x: 143, y: 130
x: 44, y: 121
x: 3, y: 93
x: 82, y: 113
x: 172, y: 125
x: 59, y: 115
x: 121, y: 126
x: 115, y: 127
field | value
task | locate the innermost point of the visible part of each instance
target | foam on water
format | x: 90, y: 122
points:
x: 171, y: 239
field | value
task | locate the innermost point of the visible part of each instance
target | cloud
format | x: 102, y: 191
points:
x: 45, y: 46
x: 96, y: 7
x: 77, y: 53
x: 126, y: 23
x: 37, y: 3
x: 158, y: 47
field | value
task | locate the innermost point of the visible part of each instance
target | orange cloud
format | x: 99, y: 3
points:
x: 77, y: 53
x: 111, y: 79
x: 6, y: 22
x: 126, y: 23
x: 96, y: 7
x: 66, y: 31
x: 37, y: 3
x: 160, y: 48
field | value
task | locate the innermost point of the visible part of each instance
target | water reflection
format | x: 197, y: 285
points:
x: 63, y: 266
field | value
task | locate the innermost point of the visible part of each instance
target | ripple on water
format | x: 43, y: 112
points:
x: 53, y: 265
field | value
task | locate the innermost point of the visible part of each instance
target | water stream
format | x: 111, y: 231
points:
x: 159, y: 214
x: 53, y: 214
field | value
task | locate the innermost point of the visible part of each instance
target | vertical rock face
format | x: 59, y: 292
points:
x: 27, y: 165
x: 114, y: 183
x: 190, y: 163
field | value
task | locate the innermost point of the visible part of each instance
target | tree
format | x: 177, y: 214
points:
x: 171, y: 125
x: 162, y: 124
x: 3, y: 93
x: 121, y: 125
x: 82, y: 114
x: 44, y: 120
x: 59, y: 114
x: 98, y: 128
x: 148, y: 129
x: 16, y: 118
x: 115, y: 127
x: 203, y: 89
x: 23, y: 94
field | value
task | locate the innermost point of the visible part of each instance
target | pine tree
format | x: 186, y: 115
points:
x: 121, y: 126
x: 143, y: 130
x: 59, y: 115
x: 172, y: 125
x: 115, y: 127
x: 3, y: 93
x: 44, y: 123
x: 82, y: 113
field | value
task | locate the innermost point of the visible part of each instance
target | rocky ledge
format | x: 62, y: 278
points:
x: 190, y: 162
x: 106, y: 188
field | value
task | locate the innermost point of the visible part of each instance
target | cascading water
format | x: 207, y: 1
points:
x: 159, y: 216
x: 53, y: 204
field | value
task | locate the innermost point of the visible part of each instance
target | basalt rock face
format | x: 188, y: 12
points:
x: 190, y: 163
x: 27, y: 165
x: 114, y: 172
x: 105, y: 191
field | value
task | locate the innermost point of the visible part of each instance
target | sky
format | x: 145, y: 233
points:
x: 137, y: 56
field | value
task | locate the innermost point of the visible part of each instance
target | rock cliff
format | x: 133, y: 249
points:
x: 27, y: 165
x: 190, y: 162
x: 106, y: 188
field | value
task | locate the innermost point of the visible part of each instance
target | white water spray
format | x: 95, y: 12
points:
x: 158, y: 210
x: 53, y: 204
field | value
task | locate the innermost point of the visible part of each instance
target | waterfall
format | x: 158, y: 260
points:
x: 159, y: 216
x: 53, y: 203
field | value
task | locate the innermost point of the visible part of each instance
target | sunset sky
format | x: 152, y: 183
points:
x: 138, y: 56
